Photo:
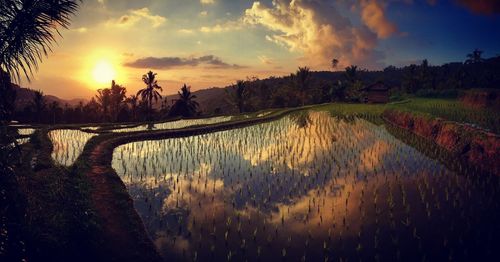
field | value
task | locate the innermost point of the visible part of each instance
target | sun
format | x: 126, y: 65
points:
x: 103, y: 72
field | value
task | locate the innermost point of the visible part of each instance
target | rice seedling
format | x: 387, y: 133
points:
x: 309, y: 185
x: 177, y: 124
x: 67, y: 145
x: 25, y: 131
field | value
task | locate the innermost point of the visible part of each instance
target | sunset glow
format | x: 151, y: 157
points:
x: 214, y: 43
x: 103, y: 72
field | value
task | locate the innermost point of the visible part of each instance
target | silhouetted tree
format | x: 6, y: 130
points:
x: 7, y: 98
x: 38, y: 105
x: 151, y: 91
x: 104, y: 100
x: 302, y: 78
x: 474, y: 57
x: 335, y: 63
x: 117, y: 99
x: 185, y: 105
x: 91, y: 111
x: 133, y: 102
x: 238, y: 94
x: 54, y: 109
x: 351, y: 73
x: 410, y: 81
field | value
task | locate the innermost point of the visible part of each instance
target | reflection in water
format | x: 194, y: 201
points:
x: 68, y: 145
x: 183, y: 123
x: 26, y: 131
x: 309, y: 187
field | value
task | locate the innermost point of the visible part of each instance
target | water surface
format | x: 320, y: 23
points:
x: 308, y: 186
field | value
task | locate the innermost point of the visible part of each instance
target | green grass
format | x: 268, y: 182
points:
x: 454, y: 110
x: 449, y: 109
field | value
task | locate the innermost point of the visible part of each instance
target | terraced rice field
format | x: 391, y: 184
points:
x: 183, y: 123
x: 310, y: 187
x: 25, y: 131
x: 68, y: 145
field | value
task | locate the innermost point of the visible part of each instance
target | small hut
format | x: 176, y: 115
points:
x: 376, y: 93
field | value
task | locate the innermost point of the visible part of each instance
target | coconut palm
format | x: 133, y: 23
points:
x: 335, y: 63
x: 38, y: 105
x: 151, y: 91
x: 185, y: 105
x: 133, y: 102
x: 54, y: 108
x: 302, y: 79
x: 27, y: 31
x: 104, y: 100
x: 118, y: 95
x: 351, y: 73
x: 238, y: 94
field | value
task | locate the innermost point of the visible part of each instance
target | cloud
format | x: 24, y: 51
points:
x: 175, y: 62
x: 137, y: 15
x: 487, y: 7
x: 207, y: 2
x: 265, y: 60
x: 80, y: 30
x: 373, y: 15
x: 317, y: 30
x: 220, y: 28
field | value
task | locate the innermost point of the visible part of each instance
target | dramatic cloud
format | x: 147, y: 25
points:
x: 134, y: 16
x: 487, y: 7
x: 320, y: 32
x: 175, y: 62
x: 373, y: 15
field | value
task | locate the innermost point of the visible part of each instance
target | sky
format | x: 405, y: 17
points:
x: 213, y: 43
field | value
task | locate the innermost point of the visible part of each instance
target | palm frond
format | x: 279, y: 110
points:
x: 28, y: 29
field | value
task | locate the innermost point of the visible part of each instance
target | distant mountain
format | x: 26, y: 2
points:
x: 209, y: 99
x: 24, y: 96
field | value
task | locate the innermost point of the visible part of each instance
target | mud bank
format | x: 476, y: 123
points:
x: 481, y: 99
x: 476, y: 147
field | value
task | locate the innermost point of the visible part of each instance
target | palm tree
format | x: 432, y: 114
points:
x: 38, y: 105
x: 54, y: 108
x: 117, y: 97
x: 475, y: 57
x: 239, y: 94
x: 185, y: 105
x: 132, y: 101
x: 351, y: 73
x: 104, y: 100
x: 27, y: 32
x: 302, y: 79
x: 7, y: 98
x: 151, y: 91
x: 335, y: 63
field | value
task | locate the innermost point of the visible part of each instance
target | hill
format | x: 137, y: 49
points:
x: 24, y: 96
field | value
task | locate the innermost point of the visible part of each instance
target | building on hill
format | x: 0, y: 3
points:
x: 376, y: 93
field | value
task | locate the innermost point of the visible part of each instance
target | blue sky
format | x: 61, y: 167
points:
x: 207, y: 43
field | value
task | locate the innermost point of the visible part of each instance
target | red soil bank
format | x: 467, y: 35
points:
x: 482, y: 99
x: 478, y: 147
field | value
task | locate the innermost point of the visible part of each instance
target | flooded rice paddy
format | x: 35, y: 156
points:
x: 183, y: 123
x: 25, y: 131
x: 67, y: 145
x: 307, y: 187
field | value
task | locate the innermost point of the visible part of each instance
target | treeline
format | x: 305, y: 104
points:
x: 306, y: 87
x: 112, y: 105
x: 303, y: 87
